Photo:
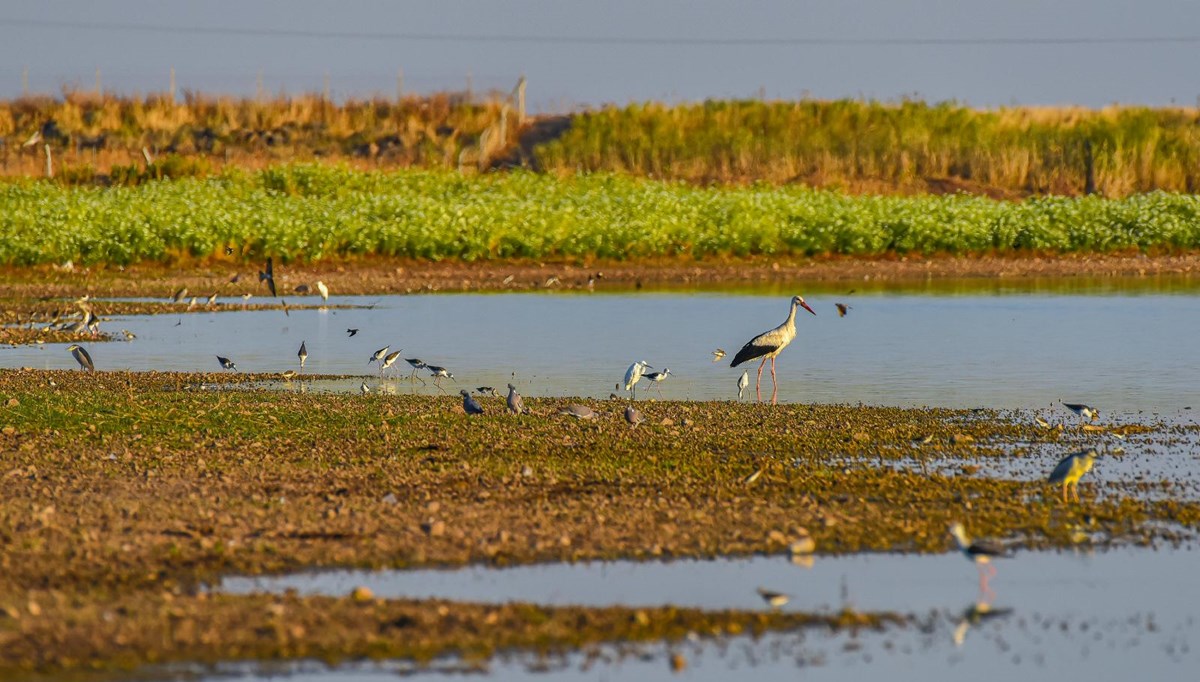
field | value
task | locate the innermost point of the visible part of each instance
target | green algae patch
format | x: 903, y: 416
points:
x: 123, y: 492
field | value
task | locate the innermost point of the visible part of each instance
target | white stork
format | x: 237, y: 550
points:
x: 769, y: 344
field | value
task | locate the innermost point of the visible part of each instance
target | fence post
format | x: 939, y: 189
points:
x: 520, y: 92
x: 49, y: 161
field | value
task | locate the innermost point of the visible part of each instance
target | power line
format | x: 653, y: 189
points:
x: 598, y: 40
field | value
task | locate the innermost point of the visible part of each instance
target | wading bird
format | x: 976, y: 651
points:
x: 470, y: 405
x: 770, y: 344
x: 81, y: 356
x: 633, y: 375
x: 389, y: 360
x: 323, y: 290
x: 364, y: 388
x: 773, y: 599
x: 268, y: 276
x: 658, y: 377
x: 487, y: 390
x: 416, y: 363
x: 1072, y: 468
x: 178, y: 296
x: 633, y: 416
x: 302, y: 354
x: 742, y: 382
x: 438, y: 374
x: 515, y: 404
x: 378, y: 355
x: 980, y: 553
x: 351, y: 332
x: 1083, y: 411
x: 226, y: 363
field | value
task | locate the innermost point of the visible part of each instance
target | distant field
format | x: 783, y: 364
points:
x: 906, y: 147
x: 313, y: 213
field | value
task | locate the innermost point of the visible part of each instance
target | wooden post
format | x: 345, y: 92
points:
x: 49, y: 161
x: 520, y: 92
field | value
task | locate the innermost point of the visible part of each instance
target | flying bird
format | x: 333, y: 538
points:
x: 718, y: 354
x: 226, y: 363
x: 842, y: 309
x: 81, y: 356
x: 979, y: 552
x: 770, y: 344
x: 268, y: 276
x: 773, y: 599
x: 1072, y: 468
x: 515, y: 404
x: 351, y: 332
x: 302, y: 354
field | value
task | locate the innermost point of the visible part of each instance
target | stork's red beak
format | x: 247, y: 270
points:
x: 807, y: 308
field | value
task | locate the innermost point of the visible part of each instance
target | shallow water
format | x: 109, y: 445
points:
x: 1114, y: 614
x: 1122, y: 352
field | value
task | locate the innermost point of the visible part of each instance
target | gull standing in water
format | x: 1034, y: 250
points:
x: 769, y: 344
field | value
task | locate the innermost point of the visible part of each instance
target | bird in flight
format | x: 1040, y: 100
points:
x: 268, y: 276
x: 351, y: 332
x: 842, y: 309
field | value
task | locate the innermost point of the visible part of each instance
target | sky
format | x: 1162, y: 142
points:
x: 586, y: 53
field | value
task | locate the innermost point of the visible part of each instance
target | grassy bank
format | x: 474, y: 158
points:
x: 312, y: 213
x: 860, y: 146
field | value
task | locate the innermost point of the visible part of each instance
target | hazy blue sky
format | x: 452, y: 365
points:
x: 668, y: 50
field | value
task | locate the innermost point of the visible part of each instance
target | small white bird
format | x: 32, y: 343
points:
x: 324, y: 290
x: 634, y: 374
x: 742, y: 383
x: 718, y: 354
x: 364, y: 389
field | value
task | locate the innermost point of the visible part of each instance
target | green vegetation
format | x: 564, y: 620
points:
x: 1023, y: 150
x: 305, y: 212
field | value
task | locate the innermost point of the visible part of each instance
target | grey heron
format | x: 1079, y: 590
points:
x: 1071, y: 468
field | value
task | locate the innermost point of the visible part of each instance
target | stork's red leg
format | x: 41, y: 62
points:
x: 774, y: 382
x: 758, y: 382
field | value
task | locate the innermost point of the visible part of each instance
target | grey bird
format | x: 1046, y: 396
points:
x: 1072, y: 468
x: 302, y: 354
x: 515, y: 404
x: 416, y: 363
x: 487, y: 390
x: 178, y: 296
x: 578, y: 411
x: 439, y: 373
x: 470, y: 404
x: 81, y: 356
x: 633, y: 416
x: 378, y: 355
x: 226, y: 363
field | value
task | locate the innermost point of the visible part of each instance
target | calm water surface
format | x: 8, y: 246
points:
x: 1124, y: 352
